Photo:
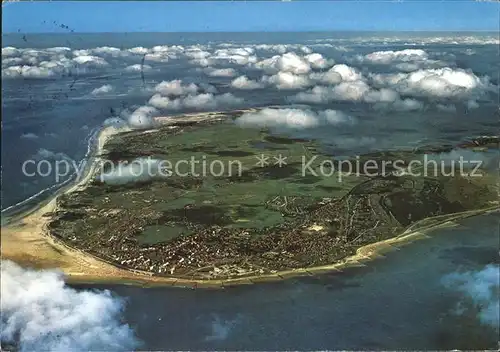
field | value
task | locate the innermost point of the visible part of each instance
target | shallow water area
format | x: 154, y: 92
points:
x: 396, y: 302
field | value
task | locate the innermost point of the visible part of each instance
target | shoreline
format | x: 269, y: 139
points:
x: 26, y: 241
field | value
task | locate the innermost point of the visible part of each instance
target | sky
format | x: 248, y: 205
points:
x: 236, y: 16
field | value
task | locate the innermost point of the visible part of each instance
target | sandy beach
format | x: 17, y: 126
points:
x: 27, y: 242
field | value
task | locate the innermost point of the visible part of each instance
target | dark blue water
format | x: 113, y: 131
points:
x: 398, y: 302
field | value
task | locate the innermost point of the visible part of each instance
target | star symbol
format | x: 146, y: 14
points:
x: 280, y: 160
x: 262, y: 160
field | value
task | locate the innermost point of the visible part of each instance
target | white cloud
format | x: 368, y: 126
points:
x: 435, y: 83
x: 221, y: 72
x: 210, y: 101
x: 406, y: 60
x: 292, y: 118
x: 287, y: 80
x: 29, y: 136
x: 138, y: 170
x: 107, y: 50
x: 472, y: 104
x: 195, y: 101
x: 115, y: 121
x: 408, y: 105
x: 138, y: 68
x: 243, y: 82
x: 176, y: 88
x: 40, y: 313
x: 160, y: 102
x: 318, y: 61
x: 45, y: 154
x: 346, y: 72
x: 468, y: 158
x: 196, y: 53
x: 107, y: 88
x: 329, y: 77
x: 28, y: 72
x: 481, y: 288
x: 336, y: 74
x: 157, y: 57
x: 404, y: 105
x: 388, y: 57
x: 279, y: 48
x: 89, y: 59
x: 351, y: 90
x: 239, y: 56
x: 138, y: 50
x: 175, y: 95
x: 142, y: 117
x: 289, y: 62
x: 383, y: 95
x: 344, y: 91
x: 358, y: 91
x: 9, y: 51
x: 446, y: 107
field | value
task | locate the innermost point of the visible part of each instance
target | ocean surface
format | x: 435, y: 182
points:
x: 73, y: 83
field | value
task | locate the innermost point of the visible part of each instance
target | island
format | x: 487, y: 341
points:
x: 237, y: 205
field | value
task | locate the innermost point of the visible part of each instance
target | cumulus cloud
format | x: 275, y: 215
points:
x: 238, y: 56
x: 467, y: 158
x: 208, y: 100
x: 337, y: 74
x: 9, y: 51
x: 358, y: 91
x: 344, y: 91
x: 289, y: 62
x: 383, y: 95
x: 481, y: 289
x: 89, y: 59
x: 446, y: 107
x: 221, y: 328
x: 407, y: 105
x: 138, y: 50
x: 243, y: 82
x: 40, y: 313
x: 387, y: 57
x: 195, y: 101
x: 345, y: 83
x: 434, y: 83
x: 49, y: 63
x: 287, y: 80
x: 107, y: 88
x: 472, y: 104
x: 406, y: 60
x: 221, y: 72
x: 351, y: 90
x: 138, y: 68
x: 142, y: 117
x: 115, y: 121
x: 45, y: 154
x: 175, y: 95
x: 176, y: 88
x: 347, y: 73
x: 28, y: 72
x: 292, y: 118
x: 138, y: 170
x: 29, y: 136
